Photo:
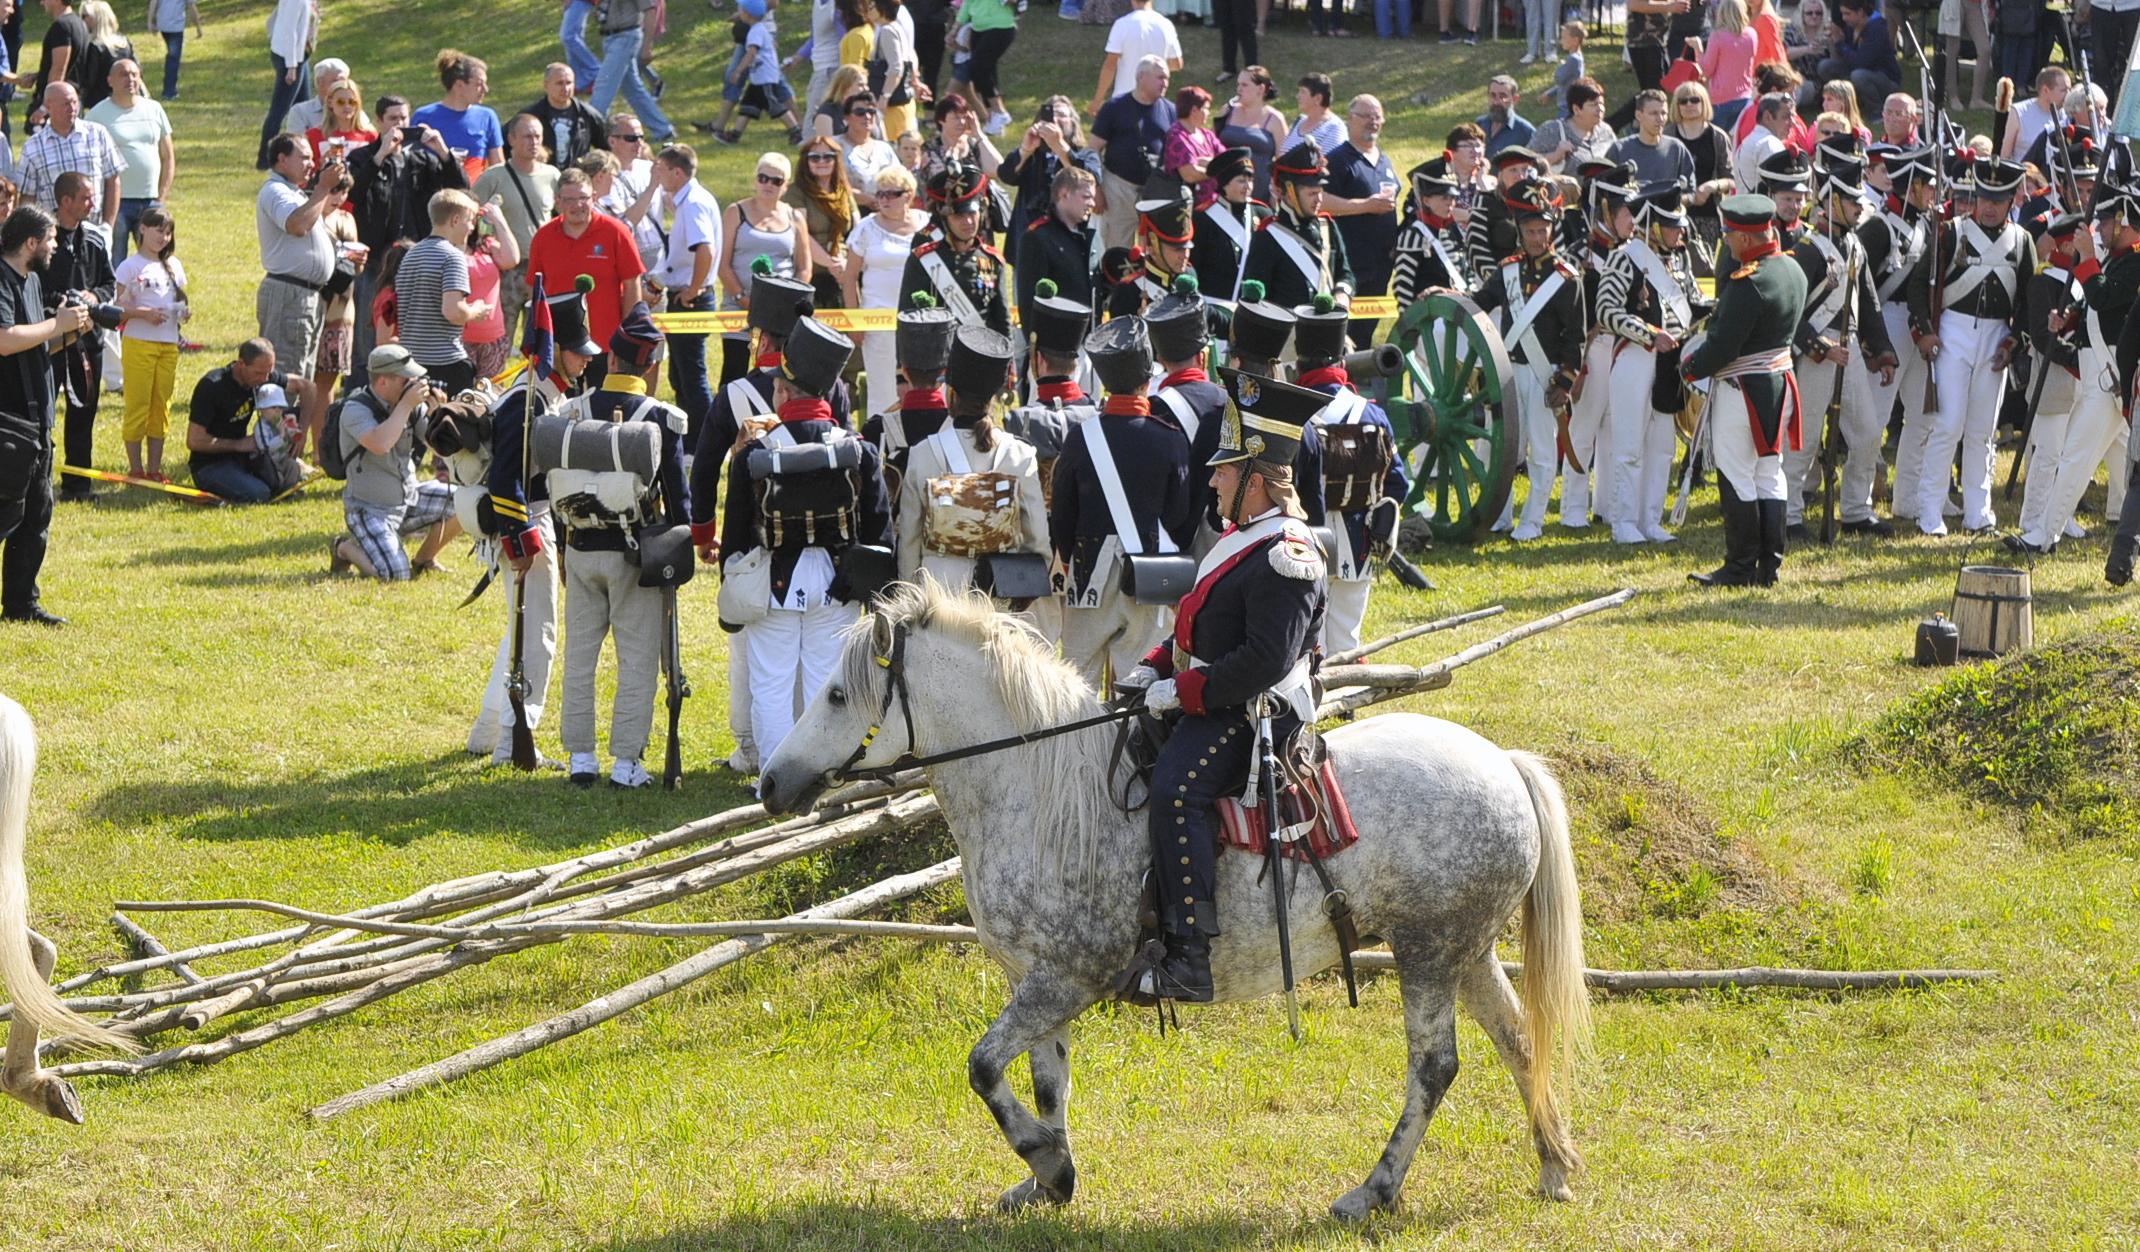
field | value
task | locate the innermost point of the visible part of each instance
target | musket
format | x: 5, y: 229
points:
x: 672, y: 769
x: 2044, y: 366
x: 1686, y: 473
x: 1933, y: 78
x: 1831, y: 443
x: 1273, y: 861
x: 516, y: 683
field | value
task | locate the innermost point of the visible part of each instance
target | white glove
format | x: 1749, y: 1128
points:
x: 1160, y: 697
x: 1138, y: 679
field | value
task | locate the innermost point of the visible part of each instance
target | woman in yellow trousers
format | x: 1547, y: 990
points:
x: 152, y: 290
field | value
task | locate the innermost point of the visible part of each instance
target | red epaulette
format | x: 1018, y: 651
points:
x: 1516, y: 260
x: 990, y: 249
x: 927, y: 248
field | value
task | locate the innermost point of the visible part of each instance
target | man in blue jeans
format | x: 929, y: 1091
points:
x: 572, y: 32
x: 219, y: 435
x: 621, y: 40
x: 686, y: 273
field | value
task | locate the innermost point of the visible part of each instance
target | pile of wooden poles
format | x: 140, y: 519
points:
x: 335, y: 964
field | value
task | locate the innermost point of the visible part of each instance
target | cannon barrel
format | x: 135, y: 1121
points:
x: 1381, y: 361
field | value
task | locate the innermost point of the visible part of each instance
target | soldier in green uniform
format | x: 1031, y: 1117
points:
x: 960, y: 268
x: 1753, y: 398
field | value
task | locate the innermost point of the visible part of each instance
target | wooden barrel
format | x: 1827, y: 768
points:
x: 1993, y: 610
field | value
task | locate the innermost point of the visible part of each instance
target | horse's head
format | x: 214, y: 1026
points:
x: 929, y: 669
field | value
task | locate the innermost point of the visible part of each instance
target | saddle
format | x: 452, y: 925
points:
x: 1314, y: 821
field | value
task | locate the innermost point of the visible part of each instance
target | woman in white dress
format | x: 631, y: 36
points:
x: 877, y: 251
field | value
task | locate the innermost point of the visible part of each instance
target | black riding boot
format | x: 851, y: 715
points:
x: 2118, y: 570
x: 1742, y: 527
x: 1185, y: 972
x: 1771, y: 541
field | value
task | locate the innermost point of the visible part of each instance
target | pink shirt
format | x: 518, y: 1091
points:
x: 1186, y: 146
x: 1728, y: 65
x: 483, y: 285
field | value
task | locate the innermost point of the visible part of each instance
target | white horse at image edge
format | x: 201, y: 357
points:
x: 26, y: 957
x: 1456, y: 835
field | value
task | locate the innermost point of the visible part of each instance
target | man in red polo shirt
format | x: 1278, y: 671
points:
x: 579, y: 241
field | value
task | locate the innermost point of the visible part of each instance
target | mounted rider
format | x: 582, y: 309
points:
x: 959, y: 267
x: 743, y: 410
x: 921, y: 337
x: 1363, y: 477
x: 616, y: 501
x: 1121, y: 507
x: 1754, y: 414
x: 1298, y: 251
x: 1248, y: 629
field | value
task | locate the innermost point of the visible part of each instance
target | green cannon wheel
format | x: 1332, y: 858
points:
x: 1454, y: 411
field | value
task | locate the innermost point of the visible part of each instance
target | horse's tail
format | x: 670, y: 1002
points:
x: 35, y: 1001
x: 1556, y: 1005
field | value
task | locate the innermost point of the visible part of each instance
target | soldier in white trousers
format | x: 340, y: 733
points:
x: 2107, y: 298
x: 2054, y: 296
x: 1612, y: 222
x: 1894, y: 240
x: 1648, y: 300
x: 1839, y: 290
x: 1965, y: 319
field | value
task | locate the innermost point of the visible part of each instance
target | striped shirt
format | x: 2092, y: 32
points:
x: 430, y: 270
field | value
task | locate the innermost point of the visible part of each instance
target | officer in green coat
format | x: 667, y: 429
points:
x: 1754, y: 413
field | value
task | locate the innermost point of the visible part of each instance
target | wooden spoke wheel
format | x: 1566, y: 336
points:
x: 1457, y: 416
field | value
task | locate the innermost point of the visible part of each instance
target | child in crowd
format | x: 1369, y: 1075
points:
x: 753, y: 82
x: 152, y: 290
x: 275, y: 432
x: 1572, y: 34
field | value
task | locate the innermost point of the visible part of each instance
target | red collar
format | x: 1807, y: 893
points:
x: 770, y: 359
x: 1186, y: 374
x: 1325, y: 376
x: 806, y: 409
x: 1065, y: 390
x: 1127, y: 406
x: 922, y: 400
x: 1767, y: 247
x: 1436, y: 223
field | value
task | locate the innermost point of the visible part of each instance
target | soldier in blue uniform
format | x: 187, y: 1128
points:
x: 1166, y: 234
x: 604, y: 522
x: 1262, y: 332
x: 1125, y: 464
x: 1297, y: 251
x: 744, y: 405
x: 922, y: 339
x: 1247, y: 629
x: 960, y: 267
x: 517, y: 512
x: 1222, y: 230
x: 1363, y: 478
x: 1058, y: 327
x: 1186, y: 396
x: 800, y: 497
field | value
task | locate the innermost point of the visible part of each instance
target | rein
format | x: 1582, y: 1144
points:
x: 895, y: 693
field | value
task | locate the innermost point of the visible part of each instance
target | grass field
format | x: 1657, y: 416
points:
x: 222, y: 719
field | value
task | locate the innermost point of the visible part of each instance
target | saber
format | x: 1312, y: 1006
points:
x: 1273, y: 862
x: 1686, y: 474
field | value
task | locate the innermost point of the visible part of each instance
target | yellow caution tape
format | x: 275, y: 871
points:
x: 850, y: 321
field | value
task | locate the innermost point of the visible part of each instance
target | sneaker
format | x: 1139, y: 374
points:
x: 997, y: 121
x: 1628, y: 532
x: 1527, y: 531
x: 627, y: 773
x: 653, y: 80
x: 1656, y: 533
x: 1528, y: 58
x: 337, y: 564
x: 742, y: 761
x: 585, y: 767
x: 1447, y: 37
x: 1471, y: 39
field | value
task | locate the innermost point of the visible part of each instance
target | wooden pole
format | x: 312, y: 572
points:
x: 1346, y: 703
x: 146, y: 944
x: 1414, y: 632
x: 622, y: 1000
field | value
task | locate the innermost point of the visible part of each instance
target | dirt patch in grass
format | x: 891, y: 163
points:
x: 2053, y: 732
x: 1646, y: 847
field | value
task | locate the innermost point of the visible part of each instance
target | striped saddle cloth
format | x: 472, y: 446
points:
x: 1315, y: 818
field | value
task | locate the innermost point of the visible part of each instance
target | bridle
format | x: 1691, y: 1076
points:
x: 893, y: 662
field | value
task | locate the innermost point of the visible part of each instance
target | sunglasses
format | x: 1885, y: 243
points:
x: 862, y: 113
x: 823, y: 156
x: 629, y: 138
x: 892, y: 193
x: 772, y: 180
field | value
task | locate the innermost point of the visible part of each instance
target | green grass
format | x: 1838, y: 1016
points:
x: 222, y: 719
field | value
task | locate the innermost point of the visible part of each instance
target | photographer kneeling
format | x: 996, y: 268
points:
x: 383, y: 501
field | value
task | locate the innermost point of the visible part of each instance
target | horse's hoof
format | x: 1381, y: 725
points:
x: 1553, y: 1183
x: 1356, y: 1204
x: 1028, y: 1194
x: 61, y: 1102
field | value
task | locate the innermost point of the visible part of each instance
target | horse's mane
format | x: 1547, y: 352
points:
x: 1068, y: 773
